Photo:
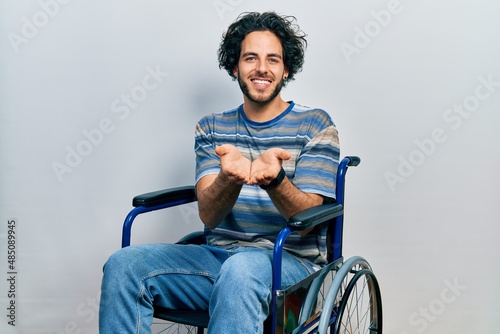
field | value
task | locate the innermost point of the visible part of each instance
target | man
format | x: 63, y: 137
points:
x: 257, y: 165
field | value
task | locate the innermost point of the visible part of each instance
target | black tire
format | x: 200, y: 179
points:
x: 360, y: 310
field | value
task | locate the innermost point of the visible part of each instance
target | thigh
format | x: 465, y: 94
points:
x: 171, y: 275
x: 187, y: 281
x: 294, y: 269
x: 144, y: 260
x: 257, y: 262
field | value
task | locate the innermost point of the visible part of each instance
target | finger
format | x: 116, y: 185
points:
x: 243, y: 178
x: 221, y: 150
x: 283, y: 154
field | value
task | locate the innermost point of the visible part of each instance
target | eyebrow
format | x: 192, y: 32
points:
x: 250, y: 53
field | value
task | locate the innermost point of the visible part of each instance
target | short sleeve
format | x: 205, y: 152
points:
x: 207, y: 161
x: 317, y: 163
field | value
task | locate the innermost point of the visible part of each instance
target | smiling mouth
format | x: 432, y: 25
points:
x: 261, y: 83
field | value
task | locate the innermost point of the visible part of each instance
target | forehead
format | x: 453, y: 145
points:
x: 261, y: 42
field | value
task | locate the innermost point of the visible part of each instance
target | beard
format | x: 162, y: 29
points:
x: 260, y: 99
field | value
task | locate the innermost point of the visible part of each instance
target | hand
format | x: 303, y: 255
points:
x: 235, y: 167
x: 267, y: 167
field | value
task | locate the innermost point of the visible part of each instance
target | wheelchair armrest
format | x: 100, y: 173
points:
x: 165, y: 196
x: 156, y: 200
x: 314, y: 216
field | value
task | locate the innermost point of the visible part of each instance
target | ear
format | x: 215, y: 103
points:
x: 235, y: 71
x: 285, y: 73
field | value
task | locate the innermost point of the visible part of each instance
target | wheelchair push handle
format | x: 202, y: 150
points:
x: 353, y: 160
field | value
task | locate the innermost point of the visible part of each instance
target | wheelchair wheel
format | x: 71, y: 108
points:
x: 360, y: 309
x: 353, y: 303
x: 164, y: 327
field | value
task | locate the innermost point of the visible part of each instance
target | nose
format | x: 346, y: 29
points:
x: 261, y: 67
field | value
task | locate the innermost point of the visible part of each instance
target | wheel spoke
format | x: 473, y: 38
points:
x: 358, y: 312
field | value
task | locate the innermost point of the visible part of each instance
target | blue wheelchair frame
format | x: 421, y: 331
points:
x: 304, y: 220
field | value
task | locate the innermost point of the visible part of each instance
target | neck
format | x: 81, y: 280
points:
x: 262, y: 112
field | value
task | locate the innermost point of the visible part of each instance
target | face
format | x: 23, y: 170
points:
x: 260, y: 69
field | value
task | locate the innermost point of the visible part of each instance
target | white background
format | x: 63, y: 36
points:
x: 422, y: 206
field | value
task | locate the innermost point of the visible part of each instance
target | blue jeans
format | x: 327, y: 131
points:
x: 233, y: 285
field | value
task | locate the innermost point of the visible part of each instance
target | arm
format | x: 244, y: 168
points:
x: 218, y: 193
x: 287, y: 198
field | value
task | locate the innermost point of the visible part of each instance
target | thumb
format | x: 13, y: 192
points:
x: 221, y: 150
x: 283, y: 154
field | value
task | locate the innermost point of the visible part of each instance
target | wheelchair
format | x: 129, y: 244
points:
x: 342, y: 297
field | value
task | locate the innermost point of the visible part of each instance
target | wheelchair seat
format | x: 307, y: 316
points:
x: 342, y: 295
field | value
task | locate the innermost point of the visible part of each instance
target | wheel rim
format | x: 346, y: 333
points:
x: 360, y: 309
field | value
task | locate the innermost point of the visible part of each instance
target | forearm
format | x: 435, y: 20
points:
x: 216, y: 198
x: 289, y: 200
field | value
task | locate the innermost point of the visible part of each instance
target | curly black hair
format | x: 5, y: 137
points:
x: 293, y: 40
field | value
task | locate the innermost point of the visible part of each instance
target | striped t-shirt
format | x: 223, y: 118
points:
x: 312, y: 140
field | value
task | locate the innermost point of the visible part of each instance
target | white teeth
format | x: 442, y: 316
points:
x: 261, y: 82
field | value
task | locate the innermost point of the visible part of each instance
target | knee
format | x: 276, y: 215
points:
x: 244, y: 282
x: 247, y: 269
x: 122, y: 261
